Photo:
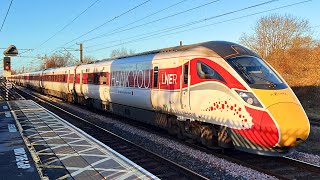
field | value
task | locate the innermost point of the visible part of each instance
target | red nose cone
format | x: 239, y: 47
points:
x: 269, y: 130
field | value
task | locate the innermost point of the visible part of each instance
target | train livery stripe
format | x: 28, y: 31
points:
x: 264, y: 131
x: 169, y: 78
x: 230, y: 80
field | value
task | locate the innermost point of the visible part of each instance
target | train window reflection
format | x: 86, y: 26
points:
x: 206, y: 72
x: 155, y: 76
x: 103, y: 78
x: 185, y: 74
x: 256, y: 72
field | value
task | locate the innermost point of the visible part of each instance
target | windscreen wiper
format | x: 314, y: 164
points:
x: 244, y: 72
x: 270, y: 83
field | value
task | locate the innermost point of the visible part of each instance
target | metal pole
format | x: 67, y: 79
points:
x: 81, y: 53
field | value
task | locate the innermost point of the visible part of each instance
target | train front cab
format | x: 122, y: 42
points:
x: 280, y: 122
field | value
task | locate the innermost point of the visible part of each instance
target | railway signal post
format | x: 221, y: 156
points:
x: 10, y: 51
x: 6, y: 67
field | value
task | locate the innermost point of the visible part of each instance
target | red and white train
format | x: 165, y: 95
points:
x: 218, y: 93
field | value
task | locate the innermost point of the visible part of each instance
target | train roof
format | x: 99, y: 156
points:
x: 224, y: 49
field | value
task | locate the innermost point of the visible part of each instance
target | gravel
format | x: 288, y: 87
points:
x: 305, y: 157
x: 206, y: 164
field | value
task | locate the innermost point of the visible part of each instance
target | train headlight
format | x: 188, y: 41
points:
x: 249, y: 98
x: 250, y: 101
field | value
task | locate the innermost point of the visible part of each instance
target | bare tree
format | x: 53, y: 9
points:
x: 286, y: 42
x: 121, y: 52
x: 276, y: 33
x: 55, y: 60
x: 88, y: 59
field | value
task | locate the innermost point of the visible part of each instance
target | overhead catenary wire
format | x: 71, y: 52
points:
x: 68, y: 24
x: 19, y: 56
x: 209, y: 18
x: 153, y: 21
x: 24, y: 50
x: 157, y: 35
x: 108, y: 21
x: 68, y: 52
x: 145, y: 17
x: 5, y: 18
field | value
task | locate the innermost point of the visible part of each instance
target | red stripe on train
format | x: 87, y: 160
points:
x: 264, y: 131
x: 169, y: 78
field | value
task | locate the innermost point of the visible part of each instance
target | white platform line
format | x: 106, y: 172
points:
x: 90, y: 167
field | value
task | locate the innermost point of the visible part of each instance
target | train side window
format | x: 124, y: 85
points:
x: 206, y: 72
x: 95, y: 78
x: 90, y: 78
x: 155, y: 76
x: 185, y: 74
x: 103, y: 78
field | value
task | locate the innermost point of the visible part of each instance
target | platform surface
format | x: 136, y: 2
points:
x: 64, y: 151
x: 15, y: 160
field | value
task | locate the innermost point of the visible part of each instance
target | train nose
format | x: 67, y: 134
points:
x: 293, y: 124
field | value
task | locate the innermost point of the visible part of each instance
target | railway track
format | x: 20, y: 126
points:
x: 315, y: 122
x: 279, y: 167
x: 155, y: 164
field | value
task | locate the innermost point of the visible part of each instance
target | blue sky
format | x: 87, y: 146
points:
x: 30, y: 23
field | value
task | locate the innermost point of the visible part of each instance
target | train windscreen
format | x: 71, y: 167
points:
x: 256, y: 73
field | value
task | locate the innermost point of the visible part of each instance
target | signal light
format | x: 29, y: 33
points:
x: 7, y: 63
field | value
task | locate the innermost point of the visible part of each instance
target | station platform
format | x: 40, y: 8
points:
x: 37, y: 144
x: 16, y: 161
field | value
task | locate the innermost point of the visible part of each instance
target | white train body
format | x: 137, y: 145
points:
x: 220, y: 85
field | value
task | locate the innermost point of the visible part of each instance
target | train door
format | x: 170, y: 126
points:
x: 155, y: 87
x: 185, y: 87
x: 74, y: 80
x: 68, y: 81
x: 41, y: 79
x: 105, y: 83
x: 81, y: 81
